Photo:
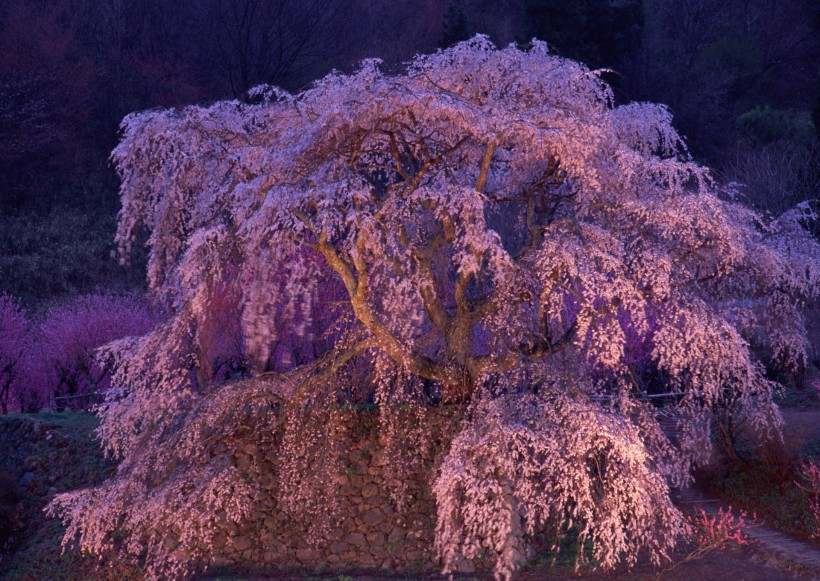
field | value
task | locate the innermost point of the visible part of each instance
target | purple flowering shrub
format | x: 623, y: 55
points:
x: 51, y: 362
x: 68, y: 336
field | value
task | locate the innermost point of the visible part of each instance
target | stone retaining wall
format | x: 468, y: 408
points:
x: 371, y: 532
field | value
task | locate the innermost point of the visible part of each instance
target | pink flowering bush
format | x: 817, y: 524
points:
x: 718, y: 531
x: 710, y: 532
x: 68, y: 336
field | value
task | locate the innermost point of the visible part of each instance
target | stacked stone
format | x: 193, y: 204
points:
x: 370, y: 532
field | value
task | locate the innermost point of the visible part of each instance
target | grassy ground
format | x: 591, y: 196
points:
x: 42, y: 455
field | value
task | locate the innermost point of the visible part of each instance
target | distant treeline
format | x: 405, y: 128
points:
x: 71, y: 69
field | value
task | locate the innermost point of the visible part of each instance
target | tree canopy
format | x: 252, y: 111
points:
x: 487, y: 229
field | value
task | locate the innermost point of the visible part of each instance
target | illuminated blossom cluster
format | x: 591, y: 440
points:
x: 488, y: 229
x: 530, y: 466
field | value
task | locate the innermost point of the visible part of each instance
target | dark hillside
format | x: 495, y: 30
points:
x: 40, y: 456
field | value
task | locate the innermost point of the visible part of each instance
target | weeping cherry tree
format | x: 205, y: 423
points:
x: 486, y: 230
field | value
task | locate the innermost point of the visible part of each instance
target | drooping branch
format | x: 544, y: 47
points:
x: 325, y: 369
x: 547, y: 345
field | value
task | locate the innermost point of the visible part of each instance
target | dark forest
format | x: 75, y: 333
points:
x: 741, y: 78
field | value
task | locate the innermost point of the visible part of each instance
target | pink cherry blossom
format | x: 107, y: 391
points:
x: 487, y: 229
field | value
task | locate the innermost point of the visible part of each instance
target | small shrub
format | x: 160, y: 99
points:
x: 713, y: 532
x: 766, y: 125
x: 717, y: 531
